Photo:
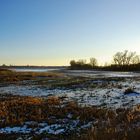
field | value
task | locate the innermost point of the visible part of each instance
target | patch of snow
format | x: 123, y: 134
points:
x: 10, y: 130
x: 29, y: 90
x: 58, y: 128
x: 103, y: 94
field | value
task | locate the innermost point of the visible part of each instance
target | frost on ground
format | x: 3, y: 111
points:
x: 104, y: 90
x: 66, y: 126
x: 98, y: 93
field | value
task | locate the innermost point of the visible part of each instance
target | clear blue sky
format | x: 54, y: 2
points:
x: 52, y: 32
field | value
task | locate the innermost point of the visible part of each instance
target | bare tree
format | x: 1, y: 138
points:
x: 136, y: 59
x: 81, y: 61
x: 93, y: 62
x: 72, y: 62
x: 117, y: 58
x: 125, y: 58
x: 129, y: 57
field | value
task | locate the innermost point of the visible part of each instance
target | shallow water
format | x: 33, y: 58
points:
x: 34, y: 69
x: 96, y: 74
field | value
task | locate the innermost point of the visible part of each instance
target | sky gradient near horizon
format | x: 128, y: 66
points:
x: 53, y: 32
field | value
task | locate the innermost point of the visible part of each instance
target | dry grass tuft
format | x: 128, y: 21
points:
x: 129, y: 90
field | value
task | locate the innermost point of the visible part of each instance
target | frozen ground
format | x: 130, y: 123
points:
x: 61, y: 127
x: 100, y: 90
x: 102, y: 93
x: 102, y: 97
x: 99, y: 74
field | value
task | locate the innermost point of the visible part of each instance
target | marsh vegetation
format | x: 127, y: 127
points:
x: 69, y: 105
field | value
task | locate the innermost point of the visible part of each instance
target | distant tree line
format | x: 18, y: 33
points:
x: 122, y: 61
x: 81, y: 64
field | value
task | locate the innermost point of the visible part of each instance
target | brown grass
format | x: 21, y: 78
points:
x: 15, y: 110
x: 12, y: 76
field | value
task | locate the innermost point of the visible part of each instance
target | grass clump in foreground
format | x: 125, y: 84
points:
x: 119, y: 124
